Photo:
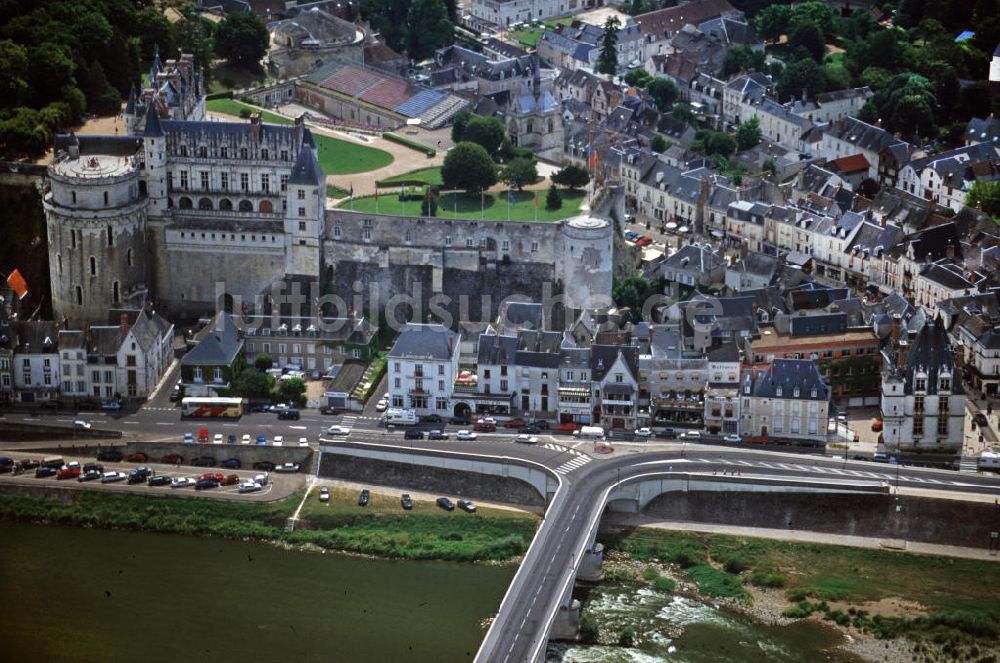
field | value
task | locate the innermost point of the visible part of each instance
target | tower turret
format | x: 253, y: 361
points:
x: 155, y: 147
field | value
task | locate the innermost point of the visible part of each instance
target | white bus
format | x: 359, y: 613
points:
x: 595, y: 433
x: 229, y: 408
x: 395, y: 416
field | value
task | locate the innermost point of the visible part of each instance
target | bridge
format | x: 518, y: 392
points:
x: 539, y: 604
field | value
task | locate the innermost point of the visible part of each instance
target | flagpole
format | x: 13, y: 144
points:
x: 508, y: 204
x: 536, y: 206
x: 376, y: 200
x: 482, y: 202
x: 454, y: 202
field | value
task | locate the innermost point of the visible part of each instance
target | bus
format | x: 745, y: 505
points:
x: 228, y: 408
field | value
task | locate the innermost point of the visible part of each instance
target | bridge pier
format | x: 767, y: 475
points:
x: 566, y: 625
x: 591, y: 565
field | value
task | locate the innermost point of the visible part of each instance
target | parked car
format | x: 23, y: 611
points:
x: 137, y: 457
x: 203, y: 436
x: 93, y: 467
x: 139, y: 475
x: 413, y: 434
x: 112, y: 406
x: 643, y: 432
x: 112, y: 477
x: 110, y: 455
x: 205, y: 484
x: 540, y: 424
x: 485, y: 426
x: 280, y: 407
x: 188, y: 438
x: 278, y: 441
x: 666, y: 434
x: 203, y: 461
x: 526, y: 439
x: 261, y: 407
x: 431, y: 418
x: 732, y: 437
x: 631, y: 235
x: 231, y: 464
x: 249, y: 487
x: 261, y: 479
x: 328, y: 409
x: 231, y: 480
x: 89, y: 475
x: 245, y: 439
x: 437, y: 435
x: 175, y: 393
x: 465, y: 435
x: 29, y: 463
x: 459, y: 421
x: 467, y: 506
x: 880, y: 457
x: 877, y: 423
x: 363, y: 497
x: 303, y: 442
x: 287, y: 468
x: 324, y: 494
x: 529, y: 430
x: 516, y: 422
x: 406, y: 502
x: 68, y: 472
x: 159, y: 480
x: 338, y: 430
x: 218, y: 476
x: 289, y: 414
x: 217, y: 438
x: 172, y: 459
x: 694, y: 435
x: 231, y: 439
x: 261, y: 440
x: 264, y: 465
x: 182, y: 482
x: 445, y: 504
x: 6, y: 464
x: 645, y: 240
x: 567, y: 427
x: 382, y: 405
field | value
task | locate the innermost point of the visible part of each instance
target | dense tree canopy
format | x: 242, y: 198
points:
x: 664, y: 93
x: 748, y: 134
x: 428, y: 28
x: 519, y: 172
x: 242, y: 39
x: 985, y: 195
x: 485, y: 131
x: 468, y: 166
x: 571, y: 177
x: 801, y: 75
x: 607, y: 61
x: 711, y: 143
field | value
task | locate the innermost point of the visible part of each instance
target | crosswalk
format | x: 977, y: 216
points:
x: 349, y: 420
x: 968, y: 464
x: 576, y: 462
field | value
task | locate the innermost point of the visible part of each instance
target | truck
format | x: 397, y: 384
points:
x: 595, y: 433
x: 400, y: 417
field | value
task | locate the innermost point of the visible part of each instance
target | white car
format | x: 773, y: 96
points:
x: 287, y: 468
x: 111, y: 477
x: 338, y: 430
x: 261, y: 479
x: 465, y: 435
x: 643, y: 432
x: 278, y: 441
x: 303, y: 442
x: 182, y: 482
x: 691, y: 435
x: 382, y: 405
x: 280, y: 407
x: 245, y: 439
x: 324, y: 494
x: 249, y: 487
x: 526, y: 439
x: 732, y: 437
x: 217, y: 438
x: 81, y: 424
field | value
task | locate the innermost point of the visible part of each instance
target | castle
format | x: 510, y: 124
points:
x: 184, y: 209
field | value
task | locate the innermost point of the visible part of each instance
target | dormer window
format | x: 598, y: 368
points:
x: 814, y: 393
x: 920, y: 384
x: 944, y: 384
x: 795, y: 392
x: 778, y: 392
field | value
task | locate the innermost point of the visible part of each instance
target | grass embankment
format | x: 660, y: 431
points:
x: 469, y: 206
x: 336, y: 156
x: 424, y: 533
x: 430, y: 176
x: 957, y: 596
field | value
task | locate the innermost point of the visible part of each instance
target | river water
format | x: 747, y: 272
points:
x: 73, y: 594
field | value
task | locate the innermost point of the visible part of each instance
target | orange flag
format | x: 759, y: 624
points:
x: 18, y: 284
x: 536, y: 200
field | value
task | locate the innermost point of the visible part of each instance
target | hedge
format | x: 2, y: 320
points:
x: 396, y: 138
x: 228, y: 94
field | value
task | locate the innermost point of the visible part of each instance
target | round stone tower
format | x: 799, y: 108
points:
x: 96, y: 219
x: 586, y: 262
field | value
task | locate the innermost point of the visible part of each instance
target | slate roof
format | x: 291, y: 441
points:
x: 723, y: 353
x: 497, y: 349
x: 983, y: 130
x: 861, y: 134
x: 220, y: 343
x: 574, y: 358
x: 35, y: 336
x: 787, y: 374
x: 664, y: 22
x: 307, y: 170
x: 930, y: 352
x: 423, y: 341
x: 538, y: 349
x: 152, y: 128
x: 603, y: 358
x: 817, y: 324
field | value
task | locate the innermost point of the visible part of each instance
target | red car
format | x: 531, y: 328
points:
x: 876, y: 425
x: 567, y: 427
x: 645, y: 240
x: 514, y: 423
x: 218, y: 476
x: 485, y: 426
x: 29, y: 463
x: 68, y: 472
x: 137, y: 457
x: 756, y: 439
x: 203, y: 435
x: 172, y: 459
x: 230, y: 480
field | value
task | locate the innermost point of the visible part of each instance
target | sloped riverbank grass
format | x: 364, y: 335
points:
x: 490, y: 534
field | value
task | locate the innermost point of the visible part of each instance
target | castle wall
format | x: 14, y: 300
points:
x: 343, y: 108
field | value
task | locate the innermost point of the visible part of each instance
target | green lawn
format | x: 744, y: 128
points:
x: 422, y: 175
x: 333, y: 191
x: 336, y: 157
x: 469, y: 207
x: 529, y: 36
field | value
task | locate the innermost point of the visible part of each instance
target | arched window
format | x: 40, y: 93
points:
x: 204, y: 203
x: 115, y: 292
x: 59, y: 262
x: 266, y: 206
x: 93, y: 266
x: 226, y: 205
x: 184, y: 150
x: 79, y: 296
x: 111, y: 237
x: 105, y: 197
x: 185, y: 203
x: 128, y: 256
x: 203, y: 152
x: 246, y: 206
x: 142, y: 187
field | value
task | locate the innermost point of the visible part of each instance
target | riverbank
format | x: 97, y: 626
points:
x: 425, y: 533
x: 886, y: 605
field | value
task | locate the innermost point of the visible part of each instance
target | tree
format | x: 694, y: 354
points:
x: 772, y: 22
x: 659, y: 143
x: 589, y: 630
x: 664, y: 93
x: 742, y: 58
x: 807, y: 35
x: 553, y: 200
x: 683, y: 113
x: 460, y: 121
x: 748, y: 134
x: 907, y: 105
x: 769, y: 166
x: 520, y: 172
x: 13, y: 68
x: 293, y: 390
x: 984, y: 195
x: 607, y: 61
x: 801, y: 75
x: 263, y: 362
x: 571, y: 176
x: 637, y: 77
x: 711, y: 143
x: 428, y: 28
x: 251, y: 383
x: 632, y: 292
x: 487, y: 132
x: 242, y: 39
x: 468, y: 166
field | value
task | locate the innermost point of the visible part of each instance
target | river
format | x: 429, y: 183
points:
x: 74, y: 594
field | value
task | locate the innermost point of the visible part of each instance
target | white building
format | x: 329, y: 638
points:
x: 506, y: 12
x: 789, y: 399
x: 423, y: 365
x: 36, y: 362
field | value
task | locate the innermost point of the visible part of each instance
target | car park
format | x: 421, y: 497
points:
x: 732, y: 437
x: 172, y: 459
x: 338, y: 430
x: 526, y: 439
x: 413, y: 434
x: 437, y: 435
x: 465, y: 435
x: 445, y: 504
x: 287, y: 468
x: 249, y: 487
x: 245, y: 439
x: 159, y: 480
x: 206, y: 484
x: 324, y: 494
x: 89, y: 475
x: 406, y: 502
x: 643, y: 432
x: 517, y: 422
x: 231, y: 464
x: 364, y: 497
x: 182, y: 482
x: 230, y: 480
x: 265, y: 465
x: 217, y: 438
x: 188, y: 438
x: 44, y: 471
x: 137, y: 457
x: 112, y: 477
x: 203, y: 461
x: 467, y: 506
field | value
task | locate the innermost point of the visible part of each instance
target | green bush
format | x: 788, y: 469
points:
x: 714, y: 583
x: 588, y: 629
x: 797, y: 594
x: 773, y: 580
x: 735, y: 565
x: 800, y: 611
x: 626, y: 637
x: 649, y: 574
x: 664, y: 584
x: 412, y: 144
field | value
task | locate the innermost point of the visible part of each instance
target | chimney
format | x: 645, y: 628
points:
x: 255, y: 124
x: 896, y: 321
x: 451, y: 345
x: 805, y: 93
x: 950, y: 251
x: 297, y: 132
x: 123, y: 324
